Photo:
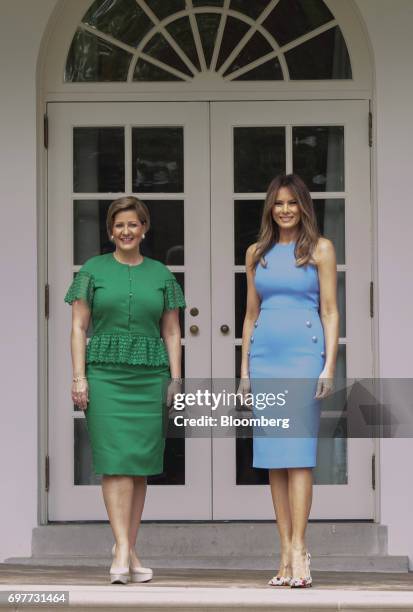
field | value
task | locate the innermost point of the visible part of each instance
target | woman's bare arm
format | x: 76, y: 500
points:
x: 251, y: 313
x: 327, y: 273
x: 171, y: 333
x: 80, y: 323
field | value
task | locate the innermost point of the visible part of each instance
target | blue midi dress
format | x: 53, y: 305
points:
x: 287, y: 355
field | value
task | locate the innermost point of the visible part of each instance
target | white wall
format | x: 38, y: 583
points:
x: 390, y: 28
x: 22, y: 23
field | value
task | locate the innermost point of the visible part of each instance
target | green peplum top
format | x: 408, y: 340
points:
x: 126, y: 303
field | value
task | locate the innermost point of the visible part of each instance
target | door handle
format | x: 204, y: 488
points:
x: 194, y: 329
x: 224, y: 329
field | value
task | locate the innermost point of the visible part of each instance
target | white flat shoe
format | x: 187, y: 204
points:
x: 140, y: 574
x: 120, y: 575
x: 137, y: 574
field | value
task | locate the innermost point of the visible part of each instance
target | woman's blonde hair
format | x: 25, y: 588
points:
x: 269, y: 232
x: 127, y: 203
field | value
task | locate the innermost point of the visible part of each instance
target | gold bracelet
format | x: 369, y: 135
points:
x: 77, y: 378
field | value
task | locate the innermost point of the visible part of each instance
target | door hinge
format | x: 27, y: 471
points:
x: 371, y: 299
x: 370, y: 129
x: 46, y: 300
x: 373, y: 472
x: 47, y: 472
x: 46, y: 131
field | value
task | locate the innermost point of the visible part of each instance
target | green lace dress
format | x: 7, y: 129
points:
x: 126, y: 361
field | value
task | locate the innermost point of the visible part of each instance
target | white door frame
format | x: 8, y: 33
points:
x: 330, y: 501
x: 221, y: 173
x: 164, y: 502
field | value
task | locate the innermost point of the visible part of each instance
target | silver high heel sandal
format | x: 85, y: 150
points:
x: 137, y: 574
x: 307, y: 581
x: 119, y: 575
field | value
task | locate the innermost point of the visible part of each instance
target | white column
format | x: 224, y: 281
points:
x: 390, y: 25
x: 22, y: 25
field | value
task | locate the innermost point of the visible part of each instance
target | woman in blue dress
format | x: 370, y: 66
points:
x: 290, y: 332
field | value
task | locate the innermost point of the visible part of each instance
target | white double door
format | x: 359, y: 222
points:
x: 203, y: 169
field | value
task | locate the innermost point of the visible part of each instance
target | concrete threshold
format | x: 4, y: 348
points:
x: 177, y: 599
x: 89, y: 590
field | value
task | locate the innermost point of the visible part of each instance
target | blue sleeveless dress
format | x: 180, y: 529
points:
x: 287, y: 355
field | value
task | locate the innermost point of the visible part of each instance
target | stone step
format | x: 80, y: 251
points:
x: 336, y: 563
x: 217, y: 545
x: 229, y: 539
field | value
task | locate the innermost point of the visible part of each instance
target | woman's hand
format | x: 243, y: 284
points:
x: 174, y: 387
x: 325, y: 384
x: 244, y: 388
x: 80, y: 393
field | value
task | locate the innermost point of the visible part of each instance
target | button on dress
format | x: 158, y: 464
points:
x: 127, y: 363
x: 287, y: 354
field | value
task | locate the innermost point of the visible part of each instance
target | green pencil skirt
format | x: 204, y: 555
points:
x: 126, y: 418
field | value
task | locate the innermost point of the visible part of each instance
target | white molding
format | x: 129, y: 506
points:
x: 108, y: 38
x: 255, y: 27
x: 211, y: 84
x: 220, y: 34
x: 306, y: 37
x: 105, y: 92
x: 42, y: 325
x: 375, y: 277
x: 196, y: 35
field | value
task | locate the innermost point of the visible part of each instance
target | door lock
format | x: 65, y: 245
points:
x: 194, y: 329
x: 224, y: 329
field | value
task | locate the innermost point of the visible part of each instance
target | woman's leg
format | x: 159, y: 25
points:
x: 118, y: 497
x: 280, y: 498
x: 300, y: 489
x: 138, y: 502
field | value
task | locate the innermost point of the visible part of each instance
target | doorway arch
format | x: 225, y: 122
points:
x: 251, y: 55
x: 204, y: 85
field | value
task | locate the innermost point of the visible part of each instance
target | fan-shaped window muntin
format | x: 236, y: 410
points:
x: 159, y: 55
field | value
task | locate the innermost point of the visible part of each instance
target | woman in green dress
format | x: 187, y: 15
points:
x: 119, y: 377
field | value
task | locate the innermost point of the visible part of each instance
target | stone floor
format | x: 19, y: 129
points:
x: 256, y: 579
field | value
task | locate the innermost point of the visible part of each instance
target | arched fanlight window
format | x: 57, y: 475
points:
x: 179, y: 40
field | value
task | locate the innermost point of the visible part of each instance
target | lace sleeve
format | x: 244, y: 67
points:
x: 82, y: 288
x: 174, y: 298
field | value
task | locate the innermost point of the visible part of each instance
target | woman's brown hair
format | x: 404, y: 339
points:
x: 127, y: 203
x: 269, y: 231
